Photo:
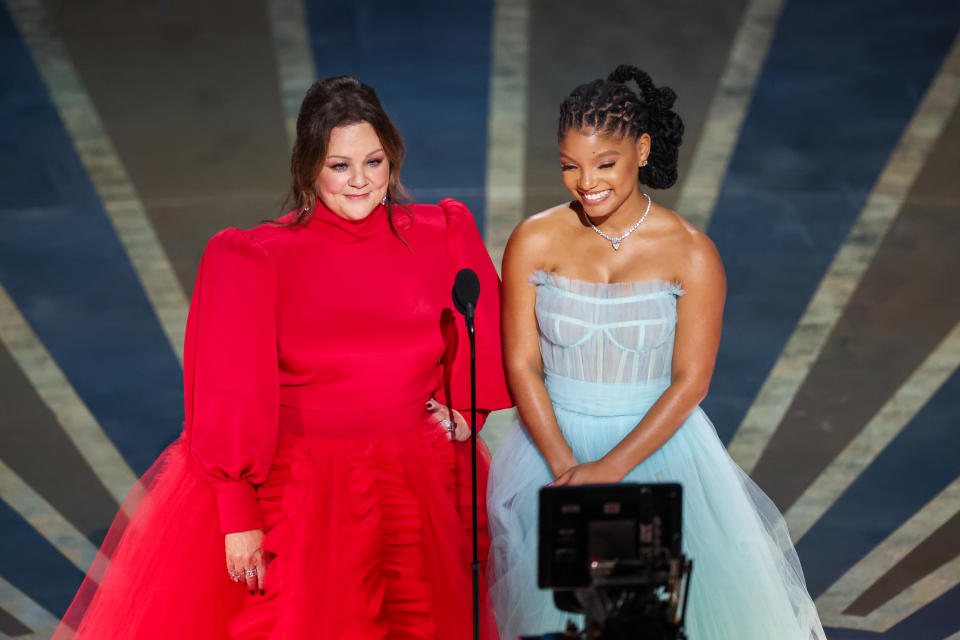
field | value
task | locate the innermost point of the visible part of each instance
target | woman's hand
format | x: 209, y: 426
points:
x: 450, y: 419
x: 589, y: 473
x: 245, y: 558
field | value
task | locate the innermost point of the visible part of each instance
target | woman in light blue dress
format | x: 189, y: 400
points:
x: 611, y: 320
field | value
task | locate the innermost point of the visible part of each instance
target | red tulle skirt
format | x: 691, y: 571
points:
x: 368, y: 537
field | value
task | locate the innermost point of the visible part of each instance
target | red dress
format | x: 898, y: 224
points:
x: 310, y: 354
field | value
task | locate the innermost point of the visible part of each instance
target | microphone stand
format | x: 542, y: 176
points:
x: 475, y: 566
x: 466, y: 293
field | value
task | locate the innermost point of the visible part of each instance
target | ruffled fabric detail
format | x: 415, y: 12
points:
x: 605, y: 290
x: 372, y: 540
x: 367, y: 538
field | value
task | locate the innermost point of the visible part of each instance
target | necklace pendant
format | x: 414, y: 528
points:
x: 616, y: 244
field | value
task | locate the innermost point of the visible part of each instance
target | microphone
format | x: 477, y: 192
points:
x: 466, y: 292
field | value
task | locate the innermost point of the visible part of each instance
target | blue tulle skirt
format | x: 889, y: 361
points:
x: 747, y: 581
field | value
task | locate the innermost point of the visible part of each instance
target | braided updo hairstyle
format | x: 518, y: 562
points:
x: 611, y: 108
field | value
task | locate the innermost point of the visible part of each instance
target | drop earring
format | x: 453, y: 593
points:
x: 383, y: 200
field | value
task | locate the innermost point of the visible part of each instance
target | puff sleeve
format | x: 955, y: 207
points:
x: 468, y: 251
x: 231, y: 379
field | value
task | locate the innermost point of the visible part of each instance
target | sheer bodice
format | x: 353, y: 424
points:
x: 618, y: 333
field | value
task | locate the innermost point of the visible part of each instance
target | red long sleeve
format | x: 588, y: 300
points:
x: 231, y: 373
x: 285, y: 317
x: 468, y: 251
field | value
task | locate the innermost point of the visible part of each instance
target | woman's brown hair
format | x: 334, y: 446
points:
x: 337, y: 102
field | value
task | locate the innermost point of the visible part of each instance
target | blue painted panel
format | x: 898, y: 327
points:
x: 429, y: 62
x: 912, y: 470
x: 937, y: 620
x: 64, y: 267
x: 34, y: 566
x: 836, y: 93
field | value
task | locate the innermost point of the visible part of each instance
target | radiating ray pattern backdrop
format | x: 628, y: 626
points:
x: 822, y: 155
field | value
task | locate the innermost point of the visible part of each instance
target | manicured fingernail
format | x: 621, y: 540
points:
x: 549, y: 484
x: 252, y: 592
x: 430, y: 405
x: 261, y: 591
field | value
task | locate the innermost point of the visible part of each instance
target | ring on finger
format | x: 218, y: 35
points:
x: 251, y: 573
x: 449, y: 425
x: 236, y: 577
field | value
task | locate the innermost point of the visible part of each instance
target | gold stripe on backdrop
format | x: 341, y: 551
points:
x: 851, y: 261
x: 106, y: 170
x: 25, y: 610
x: 889, y: 421
x: 728, y: 109
x: 63, y: 401
x: 884, y: 557
x: 295, y: 69
x: 506, y: 124
x: 45, y: 519
x: 506, y: 147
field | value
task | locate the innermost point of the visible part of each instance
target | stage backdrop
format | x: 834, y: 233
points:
x: 821, y: 152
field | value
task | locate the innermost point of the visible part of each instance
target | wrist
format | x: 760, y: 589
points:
x: 616, y: 464
x: 561, y: 465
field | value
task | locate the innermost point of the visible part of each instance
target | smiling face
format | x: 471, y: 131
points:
x: 355, y: 172
x: 601, y: 171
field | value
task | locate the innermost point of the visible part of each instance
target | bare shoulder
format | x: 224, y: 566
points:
x: 695, y: 256
x: 541, y: 230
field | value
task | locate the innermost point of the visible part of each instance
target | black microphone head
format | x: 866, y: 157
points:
x: 466, y: 290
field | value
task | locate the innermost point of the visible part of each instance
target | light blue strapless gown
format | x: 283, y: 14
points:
x: 607, y: 351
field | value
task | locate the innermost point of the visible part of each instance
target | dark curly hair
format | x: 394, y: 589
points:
x: 610, y: 108
x: 336, y: 102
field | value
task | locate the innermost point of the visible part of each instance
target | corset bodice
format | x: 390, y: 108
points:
x: 619, y: 333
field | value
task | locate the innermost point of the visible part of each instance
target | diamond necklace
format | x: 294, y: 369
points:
x: 616, y: 241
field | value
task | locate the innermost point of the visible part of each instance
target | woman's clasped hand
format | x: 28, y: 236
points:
x: 596, y: 472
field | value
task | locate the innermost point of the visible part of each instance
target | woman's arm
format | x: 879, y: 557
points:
x: 231, y: 389
x: 524, y: 366
x: 699, y: 320
x: 231, y: 379
x: 466, y: 250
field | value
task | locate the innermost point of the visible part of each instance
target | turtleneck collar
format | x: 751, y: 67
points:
x: 326, y: 222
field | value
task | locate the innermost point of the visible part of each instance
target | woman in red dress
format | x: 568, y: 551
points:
x: 324, y: 373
